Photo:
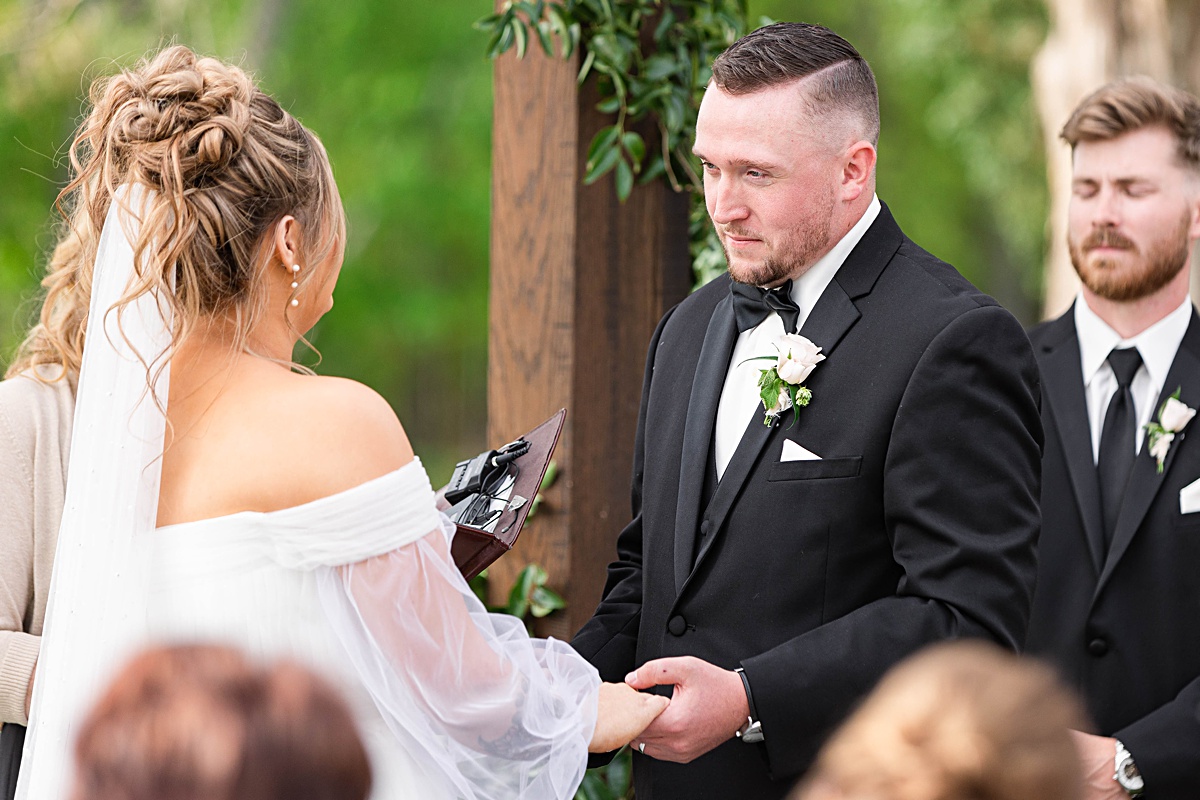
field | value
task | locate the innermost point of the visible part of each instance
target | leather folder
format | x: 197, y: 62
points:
x: 474, y: 548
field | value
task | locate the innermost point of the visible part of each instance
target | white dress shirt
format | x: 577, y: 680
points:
x: 1156, y: 345
x: 739, y: 397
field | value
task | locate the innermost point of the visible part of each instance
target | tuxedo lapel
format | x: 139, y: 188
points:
x: 698, y: 432
x: 1145, y: 480
x: 1062, y: 375
x: 832, y: 316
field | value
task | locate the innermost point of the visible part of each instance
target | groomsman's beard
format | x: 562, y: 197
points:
x: 1136, y: 276
x: 789, y: 255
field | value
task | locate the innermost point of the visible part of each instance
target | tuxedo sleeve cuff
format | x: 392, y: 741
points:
x: 1165, y: 745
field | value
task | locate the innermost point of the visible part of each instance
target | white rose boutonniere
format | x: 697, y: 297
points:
x: 781, y: 386
x: 1172, y: 418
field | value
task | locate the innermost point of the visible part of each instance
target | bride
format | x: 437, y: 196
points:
x: 215, y: 493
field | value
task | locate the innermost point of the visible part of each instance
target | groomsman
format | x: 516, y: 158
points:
x: 1118, y: 591
x: 773, y: 572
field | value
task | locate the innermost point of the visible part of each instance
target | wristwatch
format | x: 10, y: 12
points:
x: 751, y: 732
x: 1127, y: 772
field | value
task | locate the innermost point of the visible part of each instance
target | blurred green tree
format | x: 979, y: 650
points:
x: 402, y: 99
x: 960, y: 151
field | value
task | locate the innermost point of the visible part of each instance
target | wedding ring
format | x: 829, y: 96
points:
x: 642, y: 748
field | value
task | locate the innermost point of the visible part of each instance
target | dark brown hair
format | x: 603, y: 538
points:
x: 203, y: 723
x: 839, y: 79
x: 1130, y: 104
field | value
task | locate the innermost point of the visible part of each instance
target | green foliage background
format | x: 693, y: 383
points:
x: 401, y: 95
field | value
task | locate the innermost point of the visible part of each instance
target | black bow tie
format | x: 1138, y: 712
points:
x: 753, y: 304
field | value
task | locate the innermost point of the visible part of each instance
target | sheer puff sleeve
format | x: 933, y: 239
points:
x: 490, y: 711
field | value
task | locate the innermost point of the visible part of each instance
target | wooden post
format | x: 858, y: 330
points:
x: 578, y: 282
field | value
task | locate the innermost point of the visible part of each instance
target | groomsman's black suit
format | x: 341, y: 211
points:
x: 1124, y: 625
x: 918, y: 524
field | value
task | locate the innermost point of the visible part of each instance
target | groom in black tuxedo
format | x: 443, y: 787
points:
x: 1118, y: 592
x: 773, y: 572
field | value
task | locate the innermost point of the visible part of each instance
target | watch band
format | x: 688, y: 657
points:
x: 751, y: 732
x: 749, y: 694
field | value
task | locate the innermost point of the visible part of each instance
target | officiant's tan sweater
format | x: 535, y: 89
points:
x: 35, y: 435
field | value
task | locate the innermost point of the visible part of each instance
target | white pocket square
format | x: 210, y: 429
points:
x: 794, y: 452
x: 1189, y: 498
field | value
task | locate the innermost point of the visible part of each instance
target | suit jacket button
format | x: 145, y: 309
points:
x: 1098, y: 647
x: 704, y: 528
x: 677, y: 625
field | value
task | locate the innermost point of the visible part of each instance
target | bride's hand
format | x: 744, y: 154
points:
x: 624, y: 713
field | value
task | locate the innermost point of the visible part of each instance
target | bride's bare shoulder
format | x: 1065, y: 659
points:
x: 345, y: 432
x: 271, y: 439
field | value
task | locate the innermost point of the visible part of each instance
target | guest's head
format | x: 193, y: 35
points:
x: 1130, y: 104
x: 786, y: 134
x: 1135, y: 194
x: 958, y: 721
x: 203, y: 723
x: 236, y: 188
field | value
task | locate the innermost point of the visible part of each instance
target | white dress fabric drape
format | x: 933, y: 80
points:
x: 453, y: 702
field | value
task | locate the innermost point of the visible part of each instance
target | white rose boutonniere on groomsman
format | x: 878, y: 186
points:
x: 1172, y: 418
x: 781, y: 386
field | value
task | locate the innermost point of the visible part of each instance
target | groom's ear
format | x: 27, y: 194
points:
x: 858, y: 170
x: 286, y: 240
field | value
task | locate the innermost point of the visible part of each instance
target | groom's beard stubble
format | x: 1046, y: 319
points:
x: 789, y: 256
x: 1142, y: 274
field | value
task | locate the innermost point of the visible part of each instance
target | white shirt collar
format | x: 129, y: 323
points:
x: 1157, y: 344
x: 808, y: 288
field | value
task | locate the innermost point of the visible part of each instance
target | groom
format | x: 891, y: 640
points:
x: 772, y: 573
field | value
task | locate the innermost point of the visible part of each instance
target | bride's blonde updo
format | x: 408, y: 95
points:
x: 223, y: 161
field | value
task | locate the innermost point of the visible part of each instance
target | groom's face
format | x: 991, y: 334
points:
x: 770, y: 181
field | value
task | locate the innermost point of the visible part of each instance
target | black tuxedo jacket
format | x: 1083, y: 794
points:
x: 1123, y: 625
x: 918, y: 524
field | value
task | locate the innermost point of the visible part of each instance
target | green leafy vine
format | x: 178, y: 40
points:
x: 651, y: 60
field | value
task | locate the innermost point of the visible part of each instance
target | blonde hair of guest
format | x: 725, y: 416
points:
x: 958, y: 721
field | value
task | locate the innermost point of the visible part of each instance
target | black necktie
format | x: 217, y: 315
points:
x: 752, y: 304
x: 1117, y: 438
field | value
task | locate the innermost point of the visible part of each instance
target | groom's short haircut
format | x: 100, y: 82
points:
x: 838, y: 78
x: 1131, y: 104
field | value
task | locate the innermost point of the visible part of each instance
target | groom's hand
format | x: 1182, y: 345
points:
x: 708, y: 706
x: 1097, y: 756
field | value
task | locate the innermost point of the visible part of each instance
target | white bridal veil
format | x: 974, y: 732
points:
x: 486, y: 711
x: 95, y: 616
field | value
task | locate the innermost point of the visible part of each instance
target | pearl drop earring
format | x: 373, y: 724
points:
x: 295, y: 283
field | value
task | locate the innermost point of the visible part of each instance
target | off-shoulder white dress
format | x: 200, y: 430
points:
x: 453, y: 701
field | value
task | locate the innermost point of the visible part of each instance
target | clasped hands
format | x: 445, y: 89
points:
x: 707, y: 706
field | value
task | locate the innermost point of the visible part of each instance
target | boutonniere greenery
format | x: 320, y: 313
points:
x: 781, y: 386
x: 1172, y: 418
